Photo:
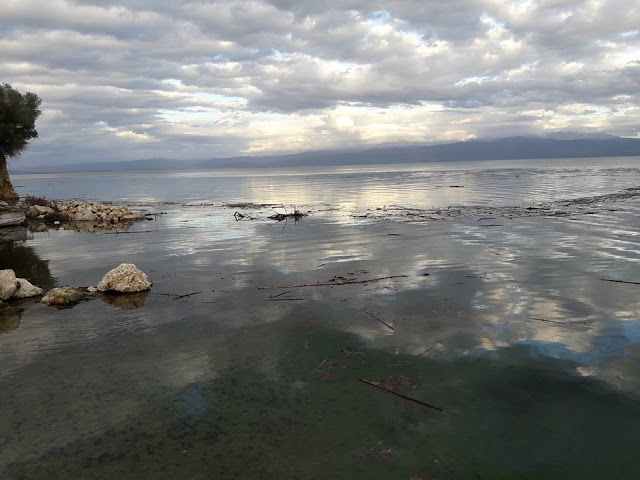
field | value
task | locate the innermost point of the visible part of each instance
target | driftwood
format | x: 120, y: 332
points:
x: 619, y: 281
x: 296, y: 215
x: 381, y: 321
x: 411, y: 399
x: 186, y: 295
x: 285, y: 299
x: 331, y: 284
x: 127, y: 233
x: 319, y: 365
x: 280, y: 294
x: 547, y: 320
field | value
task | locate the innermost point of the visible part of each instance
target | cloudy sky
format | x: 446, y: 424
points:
x: 131, y: 79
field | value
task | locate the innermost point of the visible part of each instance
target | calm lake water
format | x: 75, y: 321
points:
x: 238, y: 364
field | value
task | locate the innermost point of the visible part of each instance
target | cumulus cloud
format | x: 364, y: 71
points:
x: 202, y: 79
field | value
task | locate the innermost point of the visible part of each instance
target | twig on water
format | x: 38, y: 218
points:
x: 381, y: 321
x: 321, y: 363
x: 122, y: 233
x: 619, y: 281
x: 411, y: 399
x: 187, y: 295
x: 546, y: 320
x: 279, y: 294
x: 331, y: 284
x: 283, y: 299
x: 370, y: 450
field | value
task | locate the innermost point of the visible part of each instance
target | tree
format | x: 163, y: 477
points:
x: 18, y: 114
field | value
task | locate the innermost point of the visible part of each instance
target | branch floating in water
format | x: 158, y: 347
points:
x: 331, y: 284
x: 619, y: 281
x: 381, y: 321
x: 411, y: 399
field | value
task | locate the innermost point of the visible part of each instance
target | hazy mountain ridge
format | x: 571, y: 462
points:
x: 512, y: 148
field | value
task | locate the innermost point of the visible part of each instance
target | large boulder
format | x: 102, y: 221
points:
x: 8, y: 284
x: 37, y: 210
x: 125, y: 278
x: 26, y: 289
x: 64, y: 296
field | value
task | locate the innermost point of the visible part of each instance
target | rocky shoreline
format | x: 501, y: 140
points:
x: 81, y: 211
x: 126, y: 279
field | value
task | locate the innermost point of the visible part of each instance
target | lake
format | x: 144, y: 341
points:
x: 474, y: 287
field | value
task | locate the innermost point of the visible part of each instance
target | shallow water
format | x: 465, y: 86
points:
x: 505, y: 324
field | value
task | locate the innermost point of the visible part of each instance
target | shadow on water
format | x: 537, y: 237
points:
x: 264, y: 408
x: 24, y: 261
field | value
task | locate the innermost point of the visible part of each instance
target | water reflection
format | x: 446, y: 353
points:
x: 125, y: 301
x: 510, y: 328
x: 24, y: 261
x: 10, y: 318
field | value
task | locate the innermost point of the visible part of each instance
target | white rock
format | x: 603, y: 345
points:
x: 26, y: 289
x: 8, y: 284
x: 37, y: 210
x: 83, y: 215
x: 125, y: 278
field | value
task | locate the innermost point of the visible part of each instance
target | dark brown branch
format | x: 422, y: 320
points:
x: 283, y: 299
x: 619, y: 281
x: 279, y: 294
x: 546, y: 320
x: 331, y: 284
x: 127, y: 233
x: 381, y: 321
x: 187, y: 295
x: 411, y: 399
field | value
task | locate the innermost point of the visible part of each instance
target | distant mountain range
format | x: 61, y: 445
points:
x: 513, y: 148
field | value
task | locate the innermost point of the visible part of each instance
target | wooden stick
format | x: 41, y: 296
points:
x: 331, y: 284
x: 370, y: 450
x: 546, y: 320
x: 321, y: 363
x: 283, y: 299
x: 411, y: 399
x: 187, y: 295
x: 382, y: 322
x: 279, y: 294
x: 124, y: 233
x: 619, y: 281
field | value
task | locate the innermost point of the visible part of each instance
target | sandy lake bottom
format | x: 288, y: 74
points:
x: 245, y: 360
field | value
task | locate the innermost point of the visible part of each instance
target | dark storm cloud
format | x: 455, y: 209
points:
x: 129, y: 79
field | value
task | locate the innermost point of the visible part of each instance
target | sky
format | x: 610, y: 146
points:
x: 126, y: 80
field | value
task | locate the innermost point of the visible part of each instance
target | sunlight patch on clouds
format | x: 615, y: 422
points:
x: 125, y: 133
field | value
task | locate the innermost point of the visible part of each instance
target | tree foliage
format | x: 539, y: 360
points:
x: 18, y: 114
